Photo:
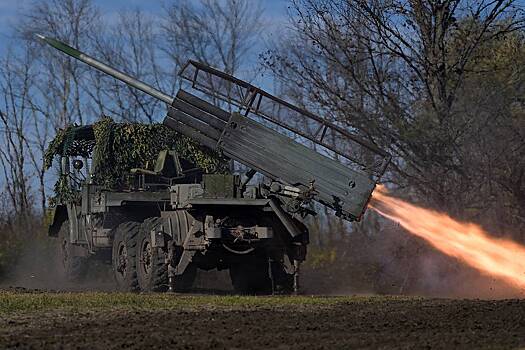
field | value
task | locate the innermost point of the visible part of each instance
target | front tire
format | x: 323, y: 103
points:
x: 70, y: 267
x: 124, y: 257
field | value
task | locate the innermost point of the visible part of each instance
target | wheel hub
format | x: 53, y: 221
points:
x: 122, y: 259
x: 146, y: 257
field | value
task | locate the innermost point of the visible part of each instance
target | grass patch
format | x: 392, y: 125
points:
x: 30, y: 302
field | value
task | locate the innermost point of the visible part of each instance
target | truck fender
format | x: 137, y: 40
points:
x: 286, y: 220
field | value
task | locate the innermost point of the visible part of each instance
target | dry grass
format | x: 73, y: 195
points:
x: 24, y: 302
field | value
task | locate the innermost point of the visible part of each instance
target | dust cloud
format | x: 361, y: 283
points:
x: 37, y: 268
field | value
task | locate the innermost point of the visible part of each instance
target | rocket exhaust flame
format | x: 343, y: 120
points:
x: 501, y: 258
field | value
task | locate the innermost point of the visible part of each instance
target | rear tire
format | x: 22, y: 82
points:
x: 124, y: 257
x: 152, y: 270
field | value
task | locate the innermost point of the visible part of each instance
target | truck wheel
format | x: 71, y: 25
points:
x: 251, y: 278
x: 124, y: 256
x: 152, y: 271
x: 71, y: 268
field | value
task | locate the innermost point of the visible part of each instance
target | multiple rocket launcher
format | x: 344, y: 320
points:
x: 265, y: 133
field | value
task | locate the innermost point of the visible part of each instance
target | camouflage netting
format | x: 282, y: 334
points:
x: 118, y: 147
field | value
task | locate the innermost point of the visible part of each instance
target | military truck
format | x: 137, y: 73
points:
x: 166, y: 221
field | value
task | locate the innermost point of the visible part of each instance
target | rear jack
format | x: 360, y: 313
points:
x: 296, y: 270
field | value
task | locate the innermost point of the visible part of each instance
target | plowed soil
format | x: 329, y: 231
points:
x: 45, y: 320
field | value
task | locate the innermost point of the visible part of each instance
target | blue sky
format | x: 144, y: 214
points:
x: 275, y: 11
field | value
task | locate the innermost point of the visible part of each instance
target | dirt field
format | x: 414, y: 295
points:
x: 32, y: 320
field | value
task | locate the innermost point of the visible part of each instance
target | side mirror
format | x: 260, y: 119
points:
x: 78, y: 164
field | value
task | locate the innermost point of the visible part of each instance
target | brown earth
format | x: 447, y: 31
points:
x: 139, y: 321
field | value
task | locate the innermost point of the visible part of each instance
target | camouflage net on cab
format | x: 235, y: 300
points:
x: 116, y: 148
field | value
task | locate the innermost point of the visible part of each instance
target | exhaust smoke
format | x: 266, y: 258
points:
x: 500, y: 258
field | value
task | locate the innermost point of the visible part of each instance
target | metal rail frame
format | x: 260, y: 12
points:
x: 250, y: 102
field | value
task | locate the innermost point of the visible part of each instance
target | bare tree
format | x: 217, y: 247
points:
x: 16, y: 74
x: 392, y: 71
x: 42, y: 92
x: 491, y: 98
x: 219, y: 33
x: 131, y: 45
x: 61, y: 78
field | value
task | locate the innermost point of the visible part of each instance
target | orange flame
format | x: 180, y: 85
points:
x: 467, y: 242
